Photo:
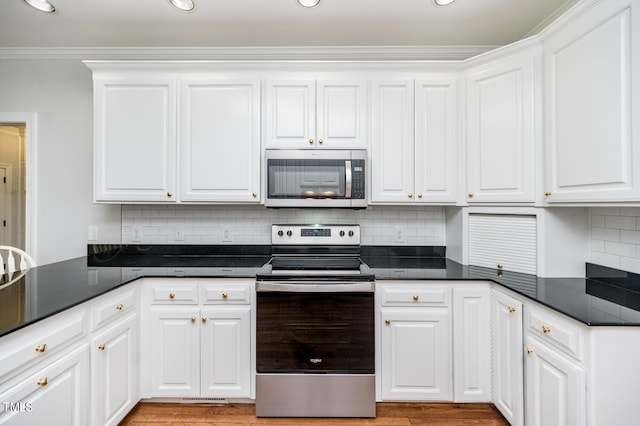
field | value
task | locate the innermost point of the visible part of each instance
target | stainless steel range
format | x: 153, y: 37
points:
x: 315, y: 352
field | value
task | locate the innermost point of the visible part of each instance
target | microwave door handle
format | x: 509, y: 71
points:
x: 347, y: 185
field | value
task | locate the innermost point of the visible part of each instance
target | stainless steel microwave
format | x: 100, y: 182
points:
x: 316, y: 178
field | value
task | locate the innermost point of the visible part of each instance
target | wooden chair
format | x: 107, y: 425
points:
x: 14, y: 259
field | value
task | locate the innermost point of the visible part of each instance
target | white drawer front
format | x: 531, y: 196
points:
x: 37, y: 342
x: 175, y: 293
x: 558, y: 331
x: 113, y: 307
x: 227, y: 292
x: 413, y: 295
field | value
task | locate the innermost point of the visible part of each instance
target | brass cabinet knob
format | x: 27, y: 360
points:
x: 102, y: 346
x: 310, y: 141
x: 119, y: 307
x: 545, y: 329
x: 415, y: 297
x: 203, y: 319
x: 254, y: 194
x: 500, y: 266
x: 193, y: 320
x: 172, y: 295
x: 320, y: 141
x: 169, y: 194
x: 511, y: 309
x: 528, y: 350
x: 41, y: 348
x: 547, y: 194
x: 410, y: 195
x: 43, y: 382
x: 225, y: 295
x: 471, y: 195
x: 420, y: 195
x: 387, y: 322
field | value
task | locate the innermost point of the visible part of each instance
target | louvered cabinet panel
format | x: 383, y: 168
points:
x: 503, y: 241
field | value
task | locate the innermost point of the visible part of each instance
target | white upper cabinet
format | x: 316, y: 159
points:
x: 220, y: 140
x: 310, y: 114
x: 501, y: 129
x: 135, y: 140
x: 168, y: 134
x: 414, y: 140
x: 436, y: 139
x: 592, y: 104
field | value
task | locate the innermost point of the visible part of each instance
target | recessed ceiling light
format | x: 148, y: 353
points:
x: 183, y: 4
x: 308, y: 3
x: 443, y: 2
x: 42, y: 5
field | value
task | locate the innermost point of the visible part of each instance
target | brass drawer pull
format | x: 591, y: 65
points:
x: 102, y: 346
x: 119, y: 307
x: 43, y: 382
x: 387, y: 322
x: 225, y: 295
x: 41, y: 348
x: 415, y: 298
x: 511, y: 309
x: 545, y: 329
x: 172, y: 295
x: 193, y: 320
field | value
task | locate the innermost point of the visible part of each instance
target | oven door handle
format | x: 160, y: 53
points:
x: 306, y: 287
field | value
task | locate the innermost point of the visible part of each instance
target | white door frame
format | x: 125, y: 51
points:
x: 29, y: 119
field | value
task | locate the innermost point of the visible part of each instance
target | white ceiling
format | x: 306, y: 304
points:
x: 217, y: 23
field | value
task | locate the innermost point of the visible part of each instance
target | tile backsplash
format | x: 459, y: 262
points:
x: 185, y: 224
x: 615, y: 237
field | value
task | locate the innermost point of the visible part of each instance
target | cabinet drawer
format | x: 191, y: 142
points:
x: 227, y: 292
x: 413, y: 295
x: 175, y: 293
x: 39, y: 341
x: 113, y: 307
x: 558, y: 331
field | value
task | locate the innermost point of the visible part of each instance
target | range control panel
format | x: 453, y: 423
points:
x: 315, y: 234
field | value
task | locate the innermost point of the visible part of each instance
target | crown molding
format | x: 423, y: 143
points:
x: 279, y: 53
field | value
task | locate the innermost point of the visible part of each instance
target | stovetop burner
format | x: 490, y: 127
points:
x: 322, y: 252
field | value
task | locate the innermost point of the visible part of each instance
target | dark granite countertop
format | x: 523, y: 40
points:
x: 607, y: 297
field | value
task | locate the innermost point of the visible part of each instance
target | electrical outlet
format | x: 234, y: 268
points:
x: 92, y: 234
x: 398, y: 235
x: 136, y: 234
x: 178, y: 234
x: 226, y: 236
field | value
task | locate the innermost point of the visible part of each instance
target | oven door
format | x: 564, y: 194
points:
x: 315, y: 332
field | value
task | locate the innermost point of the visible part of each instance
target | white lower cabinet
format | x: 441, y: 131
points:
x: 200, y: 346
x: 555, y: 387
x: 471, y: 334
x: 114, y: 372
x: 508, y: 374
x: 50, y: 393
x: 415, y: 341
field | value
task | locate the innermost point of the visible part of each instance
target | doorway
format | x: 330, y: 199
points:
x: 12, y: 185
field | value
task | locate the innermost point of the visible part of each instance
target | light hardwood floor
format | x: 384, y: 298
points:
x: 391, y: 414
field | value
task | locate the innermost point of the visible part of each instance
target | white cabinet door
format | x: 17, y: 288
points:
x: 175, y: 352
x: 114, y: 372
x: 501, y: 130
x: 306, y: 114
x: 436, y: 141
x: 392, y: 142
x: 555, y: 387
x: 508, y: 374
x: 471, y: 340
x: 290, y: 114
x: 135, y: 140
x: 592, y: 98
x: 220, y: 141
x: 415, y: 359
x: 226, y: 352
x: 53, y: 394
x: 341, y: 114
